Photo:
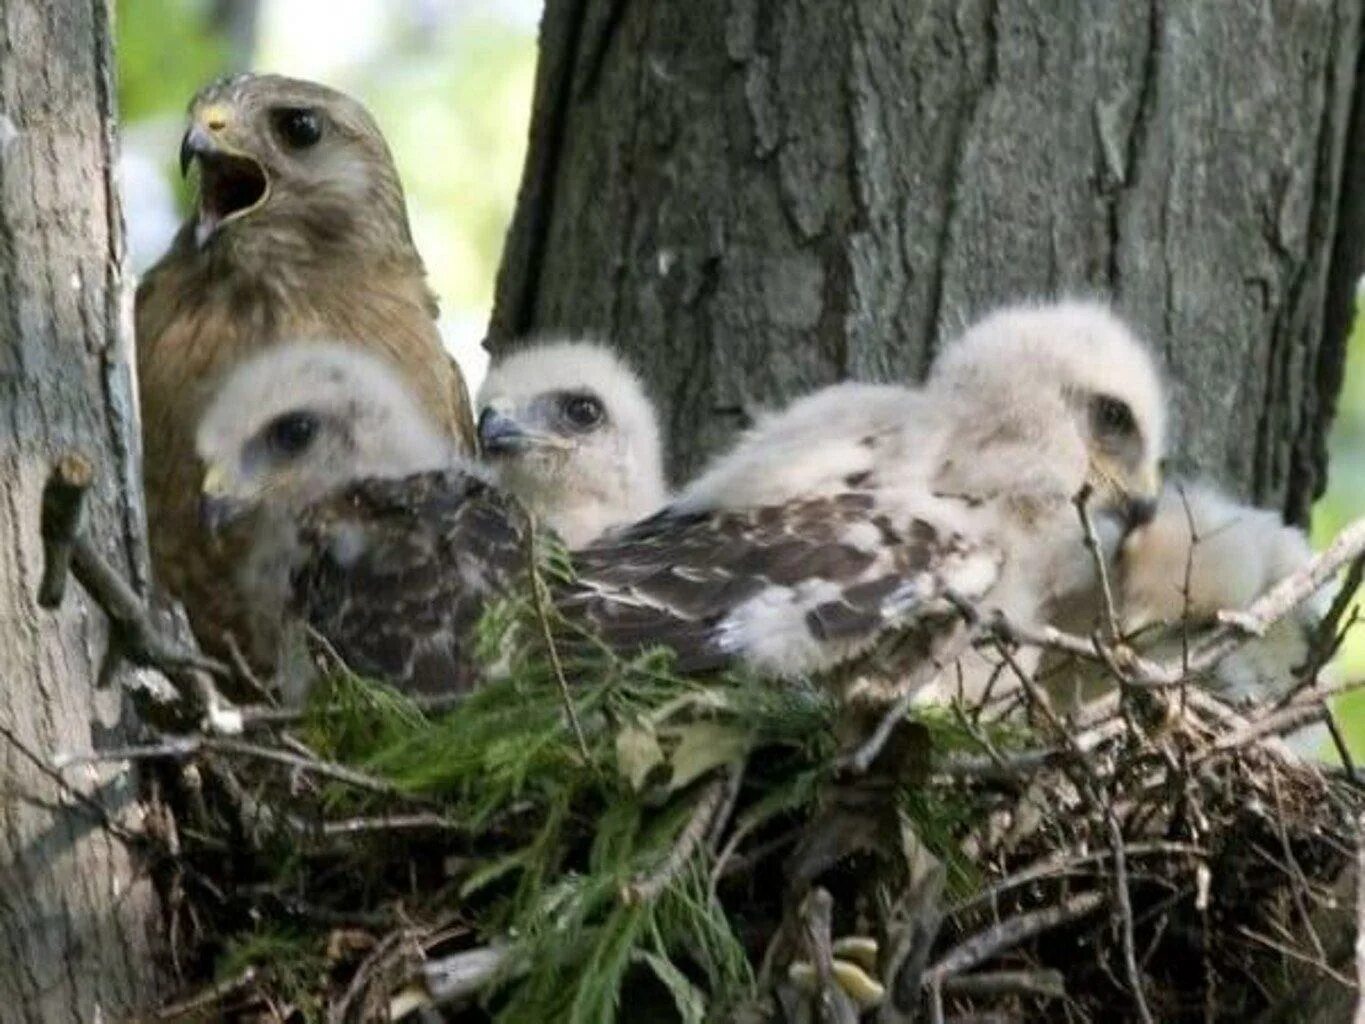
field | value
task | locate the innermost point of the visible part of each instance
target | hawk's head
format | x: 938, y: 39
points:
x: 567, y: 428
x: 302, y: 419
x: 1060, y: 397
x: 293, y: 158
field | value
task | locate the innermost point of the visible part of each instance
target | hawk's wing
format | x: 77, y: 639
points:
x: 788, y: 589
x: 400, y: 572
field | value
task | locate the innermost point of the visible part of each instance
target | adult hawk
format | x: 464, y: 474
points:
x: 300, y: 231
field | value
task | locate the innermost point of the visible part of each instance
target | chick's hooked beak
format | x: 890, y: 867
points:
x: 1141, y: 505
x: 219, y: 508
x: 500, y: 434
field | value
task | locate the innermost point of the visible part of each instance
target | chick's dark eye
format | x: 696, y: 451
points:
x: 291, y: 433
x: 1114, y: 415
x: 298, y: 127
x: 582, y: 410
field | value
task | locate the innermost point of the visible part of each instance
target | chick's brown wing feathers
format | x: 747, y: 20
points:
x: 400, y: 572
x: 843, y: 571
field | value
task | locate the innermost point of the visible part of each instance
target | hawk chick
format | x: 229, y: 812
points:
x: 964, y: 489
x: 288, y: 429
x: 1204, y: 553
x: 568, y: 429
x: 1011, y: 365
x: 300, y: 231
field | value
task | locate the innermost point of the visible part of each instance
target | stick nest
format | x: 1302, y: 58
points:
x: 703, y: 855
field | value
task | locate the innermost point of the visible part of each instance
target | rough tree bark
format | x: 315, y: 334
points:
x: 755, y: 197
x: 76, y: 909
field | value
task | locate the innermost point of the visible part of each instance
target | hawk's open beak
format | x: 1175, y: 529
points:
x: 232, y: 182
x: 218, y: 507
x: 501, y: 435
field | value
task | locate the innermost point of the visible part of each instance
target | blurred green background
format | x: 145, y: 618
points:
x: 450, y: 81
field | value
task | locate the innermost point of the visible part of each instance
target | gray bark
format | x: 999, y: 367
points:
x: 755, y: 197
x: 76, y: 907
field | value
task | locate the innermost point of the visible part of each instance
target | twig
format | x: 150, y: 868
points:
x: 1133, y: 666
x: 1326, y: 638
x: 390, y: 823
x: 1092, y: 787
x: 816, y: 917
x: 1048, y: 984
x: 860, y: 759
x: 1299, y: 882
x: 644, y: 888
x: 734, y: 780
x: 1092, y: 544
x: 1272, y: 724
x: 538, y: 601
x: 1294, y: 954
x: 1010, y: 933
x: 378, y: 957
x: 1237, y: 627
x: 463, y: 975
x: 1124, y: 900
x: 1020, y: 765
x: 754, y: 855
x: 243, y: 667
x: 1343, y: 748
x: 1277, y: 602
x: 212, y: 996
x: 186, y: 746
x: 63, y: 503
x: 1061, y: 864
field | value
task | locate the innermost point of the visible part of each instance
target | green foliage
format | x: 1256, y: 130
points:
x: 455, y: 114
x: 506, y: 761
x: 165, y: 53
x: 1344, y: 501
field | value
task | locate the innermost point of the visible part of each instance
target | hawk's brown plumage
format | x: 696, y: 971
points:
x: 302, y: 232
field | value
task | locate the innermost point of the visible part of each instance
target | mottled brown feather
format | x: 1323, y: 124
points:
x: 672, y: 579
x: 396, y: 574
x: 399, y: 572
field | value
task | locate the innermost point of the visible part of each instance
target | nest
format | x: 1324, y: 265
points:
x: 641, y: 846
x: 1159, y: 855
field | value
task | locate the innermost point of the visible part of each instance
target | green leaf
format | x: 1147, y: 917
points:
x: 637, y: 754
x: 702, y: 746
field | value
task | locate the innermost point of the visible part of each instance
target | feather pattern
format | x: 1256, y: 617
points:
x: 400, y: 571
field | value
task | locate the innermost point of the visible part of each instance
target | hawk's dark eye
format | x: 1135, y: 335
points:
x: 1114, y: 416
x: 298, y: 127
x: 582, y: 411
x: 291, y: 433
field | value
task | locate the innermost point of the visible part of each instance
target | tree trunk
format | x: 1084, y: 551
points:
x: 76, y: 908
x: 755, y: 198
